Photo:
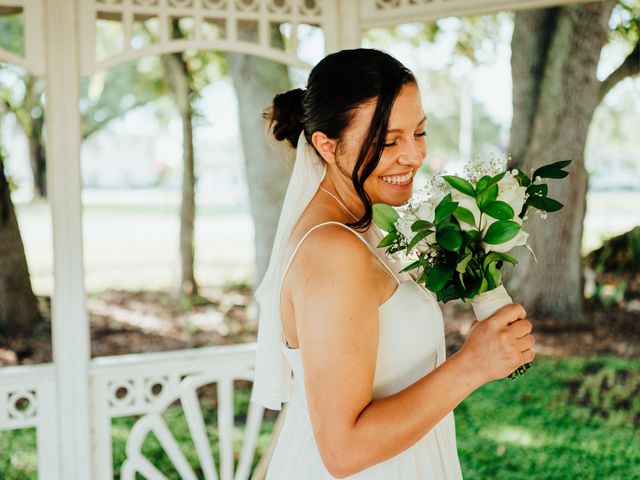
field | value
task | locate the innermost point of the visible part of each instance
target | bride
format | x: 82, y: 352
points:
x: 355, y: 347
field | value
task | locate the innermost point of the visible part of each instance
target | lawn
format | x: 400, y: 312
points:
x: 567, y: 418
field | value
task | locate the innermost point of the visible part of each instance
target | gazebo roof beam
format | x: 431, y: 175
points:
x: 375, y: 16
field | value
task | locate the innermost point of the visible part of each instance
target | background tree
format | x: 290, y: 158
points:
x: 555, y: 54
x: 18, y: 305
x: 256, y: 82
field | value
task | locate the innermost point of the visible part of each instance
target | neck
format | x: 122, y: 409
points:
x: 345, y: 200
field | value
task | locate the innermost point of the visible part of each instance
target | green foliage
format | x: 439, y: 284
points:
x: 536, y: 427
x: 626, y: 20
x: 18, y: 454
x: 12, y: 33
x: 567, y: 418
x: 457, y: 265
x: 385, y: 216
x: 460, y: 184
x: 501, y: 231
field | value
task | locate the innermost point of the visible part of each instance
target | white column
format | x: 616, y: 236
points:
x: 342, y: 27
x: 70, y: 328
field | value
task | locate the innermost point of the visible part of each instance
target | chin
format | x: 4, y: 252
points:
x: 397, y: 200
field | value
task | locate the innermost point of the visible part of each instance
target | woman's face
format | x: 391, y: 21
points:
x: 405, y: 147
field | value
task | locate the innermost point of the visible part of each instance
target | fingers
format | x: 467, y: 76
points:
x: 525, y: 343
x: 521, y: 327
x: 509, y: 314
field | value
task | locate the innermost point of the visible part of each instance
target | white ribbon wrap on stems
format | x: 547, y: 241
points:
x: 488, y: 303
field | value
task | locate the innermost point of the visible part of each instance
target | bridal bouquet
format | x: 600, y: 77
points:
x: 458, y: 230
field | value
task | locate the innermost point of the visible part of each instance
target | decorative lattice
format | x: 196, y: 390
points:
x: 143, y: 27
x: 28, y: 51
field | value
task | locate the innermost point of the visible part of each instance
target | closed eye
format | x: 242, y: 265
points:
x: 419, y: 134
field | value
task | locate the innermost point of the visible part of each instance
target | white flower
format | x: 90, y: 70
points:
x: 403, y: 225
x: 510, y: 192
x: 426, y: 211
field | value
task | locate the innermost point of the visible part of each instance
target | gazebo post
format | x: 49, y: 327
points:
x: 70, y: 326
x: 342, y: 29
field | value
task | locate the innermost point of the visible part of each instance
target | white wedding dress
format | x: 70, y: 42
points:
x: 411, y: 344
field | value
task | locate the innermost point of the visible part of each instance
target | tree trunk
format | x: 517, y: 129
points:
x: 555, y: 54
x: 188, y: 283
x: 256, y: 82
x: 179, y: 78
x: 37, y: 158
x: 18, y: 305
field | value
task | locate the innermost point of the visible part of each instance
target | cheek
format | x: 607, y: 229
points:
x: 423, y: 148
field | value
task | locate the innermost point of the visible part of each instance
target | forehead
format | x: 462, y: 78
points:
x: 406, y: 112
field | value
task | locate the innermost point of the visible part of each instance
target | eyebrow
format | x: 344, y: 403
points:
x: 399, y: 130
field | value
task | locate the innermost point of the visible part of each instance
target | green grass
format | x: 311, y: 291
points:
x: 567, y: 418
x: 535, y: 428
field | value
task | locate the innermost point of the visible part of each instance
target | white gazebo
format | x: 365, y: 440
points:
x: 71, y: 402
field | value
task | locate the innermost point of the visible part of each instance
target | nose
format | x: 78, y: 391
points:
x: 413, y: 155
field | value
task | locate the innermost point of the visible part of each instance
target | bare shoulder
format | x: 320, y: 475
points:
x: 331, y: 249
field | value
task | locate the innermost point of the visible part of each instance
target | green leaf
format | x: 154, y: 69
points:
x: 543, y: 203
x: 449, y: 292
x: 420, y: 225
x: 501, y: 231
x: 460, y: 184
x: 462, y: 264
x: 465, y: 215
x: 540, y: 189
x: 438, y: 276
x: 487, y: 196
x: 500, y: 210
x: 484, y: 286
x: 445, y: 208
x: 388, y: 239
x: 449, y: 239
x: 461, y: 278
x: 496, y: 275
x: 496, y: 178
x: 483, y: 183
x: 522, y: 178
x: 496, y: 256
x: 474, y: 235
x: 416, y: 239
x: 385, y: 216
x: 552, y: 170
x: 411, y: 266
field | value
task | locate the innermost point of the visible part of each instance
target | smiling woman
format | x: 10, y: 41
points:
x: 371, y: 396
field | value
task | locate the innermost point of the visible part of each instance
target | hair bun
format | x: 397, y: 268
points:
x: 287, y: 113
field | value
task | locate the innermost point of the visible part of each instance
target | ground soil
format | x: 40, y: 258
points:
x: 152, y: 321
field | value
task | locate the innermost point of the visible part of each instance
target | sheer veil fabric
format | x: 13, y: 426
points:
x: 272, y: 377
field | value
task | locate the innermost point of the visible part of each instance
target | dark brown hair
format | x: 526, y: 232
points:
x: 337, y: 85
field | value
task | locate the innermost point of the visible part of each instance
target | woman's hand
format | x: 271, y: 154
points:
x: 501, y: 343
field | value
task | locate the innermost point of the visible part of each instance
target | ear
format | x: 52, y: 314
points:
x: 325, y: 146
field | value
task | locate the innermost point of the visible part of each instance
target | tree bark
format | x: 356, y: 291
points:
x: 562, y: 92
x: 37, y: 158
x: 18, y: 305
x: 179, y: 78
x: 256, y: 82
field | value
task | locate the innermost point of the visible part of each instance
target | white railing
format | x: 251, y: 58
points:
x: 28, y: 400
x: 142, y: 384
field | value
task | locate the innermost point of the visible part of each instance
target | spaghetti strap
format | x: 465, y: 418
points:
x: 286, y: 269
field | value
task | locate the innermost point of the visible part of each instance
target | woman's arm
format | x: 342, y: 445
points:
x: 336, y: 303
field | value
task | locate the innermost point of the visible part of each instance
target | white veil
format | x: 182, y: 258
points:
x: 272, y: 379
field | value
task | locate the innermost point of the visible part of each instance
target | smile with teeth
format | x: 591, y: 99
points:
x: 398, y: 179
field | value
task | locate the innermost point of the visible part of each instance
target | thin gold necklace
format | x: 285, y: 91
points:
x: 340, y: 202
